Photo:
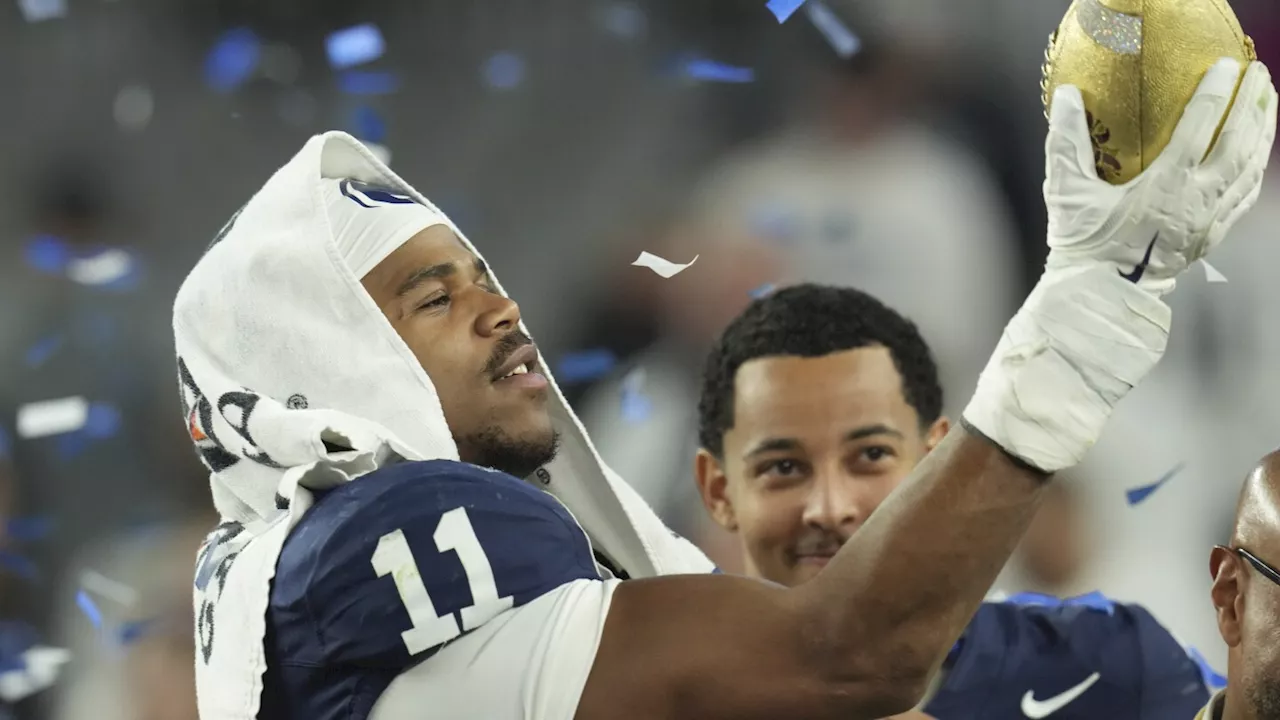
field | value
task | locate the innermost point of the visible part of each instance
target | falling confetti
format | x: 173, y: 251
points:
x: 102, y: 421
x: 52, y: 417
x: 39, y: 10
x: 504, y: 70
x: 355, y: 46
x: 110, y: 268
x: 665, y: 268
x: 1139, y: 494
x: 40, y: 667
x: 104, y: 586
x: 133, y: 107
x: 89, y: 608
x: 5, y: 443
x: 763, y: 291
x: 365, y: 82
x: 636, y: 407
x: 382, y: 152
x: 134, y: 630
x: 40, y: 353
x: 585, y: 365
x: 712, y: 71
x: 232, y: 60
x: 1211, y: 273
x: 48, y: 254
x: 841, y: 39
x: 783, y: 9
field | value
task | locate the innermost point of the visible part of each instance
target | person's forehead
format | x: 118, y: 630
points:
x: 434, y: 244
x: 781, y: 394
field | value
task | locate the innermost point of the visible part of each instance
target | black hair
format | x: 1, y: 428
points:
x: 811, y: 321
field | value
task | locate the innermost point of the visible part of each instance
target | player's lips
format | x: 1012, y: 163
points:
x: 520, y: 370
x: 819, y: 560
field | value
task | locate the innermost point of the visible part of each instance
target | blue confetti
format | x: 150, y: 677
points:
x: 28, y: 529
x: 504, y: 70
x: 636, y: 407
x: 1212, y: 679
x: 763, y: 291
x: 102, y: 422
x: 585, y: 366
x: 133, y: 631
x: 1139, y: 494
x: 18, y: 565
x: 712, y: 71
x: 369, y: 125
x: 783, y: 9
x: 233, y: 60
x: 40, y: 353
x: 367, y: 82
x: 355, y: 46
x: 841, y: 39
x: 48, y: 254
x: 88, y: 607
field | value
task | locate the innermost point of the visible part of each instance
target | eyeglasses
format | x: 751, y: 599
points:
x: 1258, y: 564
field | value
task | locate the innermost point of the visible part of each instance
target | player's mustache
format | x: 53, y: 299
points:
x: 818, y: 544
x: 507, y: 346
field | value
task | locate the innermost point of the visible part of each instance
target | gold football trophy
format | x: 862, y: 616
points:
x: 1137, y: 64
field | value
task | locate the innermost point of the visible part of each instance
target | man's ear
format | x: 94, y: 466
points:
x: 1228, y: 600
x: 936, y: 432
x: 713, y: 488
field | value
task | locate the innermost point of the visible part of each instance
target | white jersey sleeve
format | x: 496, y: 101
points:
x: 529, y: 663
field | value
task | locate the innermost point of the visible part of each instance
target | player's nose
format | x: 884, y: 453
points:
x: 831, y: 504
x: 497, y: 315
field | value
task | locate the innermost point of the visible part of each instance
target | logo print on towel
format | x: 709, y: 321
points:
x: 235, y: 409
x: 362, y: 194
x: 213, y: 564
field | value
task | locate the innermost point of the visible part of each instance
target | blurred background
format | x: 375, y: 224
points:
x: 891, y: 145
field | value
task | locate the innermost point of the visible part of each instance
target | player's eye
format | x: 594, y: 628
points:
x: 877, y: 452
x: 779, y: 468
x: 435, y: 302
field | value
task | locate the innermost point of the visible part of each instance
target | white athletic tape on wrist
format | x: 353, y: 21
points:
x: 1082, y: 339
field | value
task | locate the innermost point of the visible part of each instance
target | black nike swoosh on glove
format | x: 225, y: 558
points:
x: 1136, y: 275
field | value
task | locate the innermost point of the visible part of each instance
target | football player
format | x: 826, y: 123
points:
x: 1246, y: 595
x: 404, y: 536
x: 816, y: 403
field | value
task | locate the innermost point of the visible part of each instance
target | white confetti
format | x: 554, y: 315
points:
x: 665, y: 268
x: 1211, y: 273
x: 41, y: 670
x: 38, y: 10
x: 102, y: 585
x: 52, y: 417
x: 105, y: 267
x: 134, y: 107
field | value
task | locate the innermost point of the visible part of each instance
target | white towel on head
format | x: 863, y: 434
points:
x: 293, y: 380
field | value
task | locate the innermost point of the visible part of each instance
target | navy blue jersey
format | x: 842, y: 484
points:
x: 386, y: 569
x: 1081, y: 658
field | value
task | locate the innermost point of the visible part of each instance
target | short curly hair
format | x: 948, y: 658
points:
x: 810, y: 321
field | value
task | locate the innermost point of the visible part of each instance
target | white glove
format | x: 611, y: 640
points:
x: 1095, y: 325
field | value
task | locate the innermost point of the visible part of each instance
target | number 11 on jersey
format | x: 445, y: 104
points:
x: 454, y: 532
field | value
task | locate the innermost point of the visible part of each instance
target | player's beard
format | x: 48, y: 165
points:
x: 1264, y: 697
x: 519, y: 457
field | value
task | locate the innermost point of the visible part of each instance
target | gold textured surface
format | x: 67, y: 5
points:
x: 1135, y: 99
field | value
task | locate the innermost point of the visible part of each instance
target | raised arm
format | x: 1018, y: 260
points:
x: 862, y: 639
